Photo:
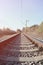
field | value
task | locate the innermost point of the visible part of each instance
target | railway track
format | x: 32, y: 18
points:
x: 20, y: 50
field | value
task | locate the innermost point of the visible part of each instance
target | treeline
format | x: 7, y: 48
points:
x: 35, y: 28
x: 6, y: 31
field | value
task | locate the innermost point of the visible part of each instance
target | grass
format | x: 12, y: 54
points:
x: 40, y: 29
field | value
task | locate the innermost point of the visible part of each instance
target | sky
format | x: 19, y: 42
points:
x: 14, y: 13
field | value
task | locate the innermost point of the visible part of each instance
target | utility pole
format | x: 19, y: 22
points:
x: 26, y: 25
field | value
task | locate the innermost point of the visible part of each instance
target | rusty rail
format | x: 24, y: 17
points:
x: 33, y: 40
x: 7, y: 41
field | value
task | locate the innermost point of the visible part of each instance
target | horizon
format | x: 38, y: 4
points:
x: 14, y: 13
x: 18, y: 28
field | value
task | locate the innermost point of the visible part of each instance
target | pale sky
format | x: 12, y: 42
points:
x: 14, y: 13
